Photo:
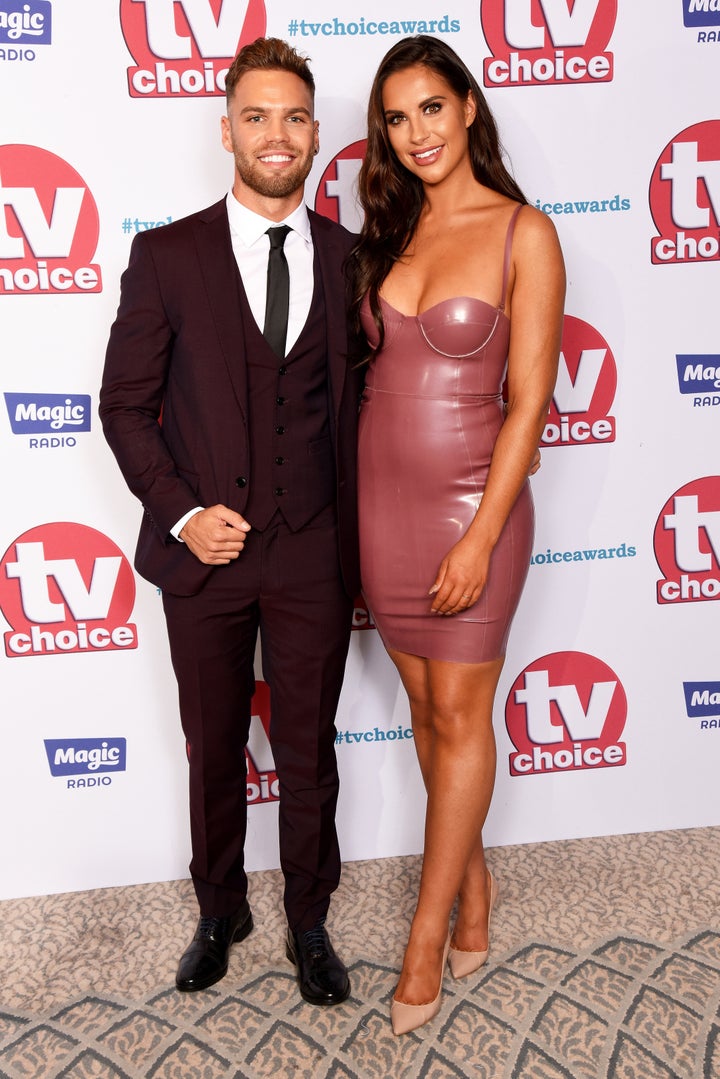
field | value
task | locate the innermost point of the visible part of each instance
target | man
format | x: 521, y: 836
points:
x: 230, y: 399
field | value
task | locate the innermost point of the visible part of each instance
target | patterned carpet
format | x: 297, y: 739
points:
x: 605, y: 962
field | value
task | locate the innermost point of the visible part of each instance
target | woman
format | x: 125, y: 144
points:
x: 456, y: 280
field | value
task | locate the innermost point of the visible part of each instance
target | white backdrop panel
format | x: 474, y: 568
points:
x: 585, y: 152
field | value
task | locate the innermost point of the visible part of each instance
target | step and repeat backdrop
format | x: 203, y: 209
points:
x: 608, y: 711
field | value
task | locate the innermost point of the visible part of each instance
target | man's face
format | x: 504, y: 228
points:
x: 272, y: 135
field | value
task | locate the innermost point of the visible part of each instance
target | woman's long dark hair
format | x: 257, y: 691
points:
x: 391, y: 196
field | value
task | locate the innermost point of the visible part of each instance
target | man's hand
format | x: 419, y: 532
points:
x: 216, y: 535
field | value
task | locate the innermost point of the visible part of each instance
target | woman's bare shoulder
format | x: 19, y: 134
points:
x: 535, y: 229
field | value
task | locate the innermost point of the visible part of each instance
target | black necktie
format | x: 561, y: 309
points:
x: 278, y: 292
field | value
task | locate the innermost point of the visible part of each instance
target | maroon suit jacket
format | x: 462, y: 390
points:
x: 173, y: 401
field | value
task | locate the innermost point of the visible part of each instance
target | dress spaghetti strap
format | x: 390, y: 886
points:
x: 508, y: 250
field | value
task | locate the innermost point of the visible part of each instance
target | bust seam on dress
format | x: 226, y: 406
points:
x: 461, y: 355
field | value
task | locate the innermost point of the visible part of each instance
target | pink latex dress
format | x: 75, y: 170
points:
x: 431, y: 411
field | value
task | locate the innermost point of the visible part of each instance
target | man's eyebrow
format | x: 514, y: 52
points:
x: 288, y: 112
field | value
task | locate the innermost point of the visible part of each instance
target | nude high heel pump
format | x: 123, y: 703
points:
x: 407, y: 1017
x: 463, y: 963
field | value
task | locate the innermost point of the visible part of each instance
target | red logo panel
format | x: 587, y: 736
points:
x: 48, y: 225
x: 584, y: 391
x: 547, y: 42
x: 685, y: 197
x: 262, y: 780
x: 66, y: 588
x: 566, y: 712
x: 336, y: 195
x: 183, y: 48
x: 687, y: 543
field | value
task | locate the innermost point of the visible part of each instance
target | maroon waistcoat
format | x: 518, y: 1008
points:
x: 292, y: 465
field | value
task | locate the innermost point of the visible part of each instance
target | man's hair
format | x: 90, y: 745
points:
x: 268, y: 54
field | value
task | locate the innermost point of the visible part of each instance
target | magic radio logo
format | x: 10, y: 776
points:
x: 262, y: 780
x: 336, y: 196
x: 579, y: 412
x: 48, y: 225
x: 86, y: 762
x: 699, y: 376
x: 566, y: 712
x: 687, y: 543
x: 685, y: 197
x: 51, y: 419
x: 183, y: 48
x: 547, y: 42
x: 699, y: 14
x: 702, y: 701
x: 66, y: 588
x: 23, y: 26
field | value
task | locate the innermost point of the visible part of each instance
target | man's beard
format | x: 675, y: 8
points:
x: 274, y: 186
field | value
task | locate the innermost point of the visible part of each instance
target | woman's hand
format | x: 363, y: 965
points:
x: 461, y: 577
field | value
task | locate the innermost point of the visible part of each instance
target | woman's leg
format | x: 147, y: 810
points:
x: 451, y: 707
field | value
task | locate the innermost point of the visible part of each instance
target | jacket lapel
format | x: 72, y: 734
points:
x: 222, y: 283
x: 330, y: 259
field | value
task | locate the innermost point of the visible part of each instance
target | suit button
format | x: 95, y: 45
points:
x: 279, y: 460
x: 280, y: 430
x: 279, y: 400
x: 282, y: 370
x: 280, y: 491
x: 241, y: 482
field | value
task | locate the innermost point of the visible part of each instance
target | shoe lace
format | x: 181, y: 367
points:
x: 315, y: 939
x: 208, y: 926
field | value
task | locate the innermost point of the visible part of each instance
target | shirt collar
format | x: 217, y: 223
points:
x: 249, y: 227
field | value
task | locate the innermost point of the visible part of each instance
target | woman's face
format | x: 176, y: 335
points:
x: 427, y: 122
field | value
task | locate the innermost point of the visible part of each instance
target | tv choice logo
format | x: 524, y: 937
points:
x: 685, y: 197
x: 89, y: 761
x: 49, y: 225
x: 700, y: 376
x: 65, y: 587
x: 687, y: 543
x: 701, y: 12
x: 566, y: 712
x: 584, y: 391
x: 262, y: 780
x: 24, y: 23
x: 183, y: 48
x: 336, y: 195
x: 547, y: 42
x: 362, y: 615
x: 702, y: 701
x: 48, y: 414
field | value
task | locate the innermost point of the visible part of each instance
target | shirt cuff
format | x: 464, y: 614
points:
x: 177, y: 529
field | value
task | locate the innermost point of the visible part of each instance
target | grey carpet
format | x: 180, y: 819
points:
x: 605, y: 961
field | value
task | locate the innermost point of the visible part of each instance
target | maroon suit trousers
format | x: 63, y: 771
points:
x: 287, y: 586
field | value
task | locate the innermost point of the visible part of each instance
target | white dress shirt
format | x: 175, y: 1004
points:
x: 251, y: 247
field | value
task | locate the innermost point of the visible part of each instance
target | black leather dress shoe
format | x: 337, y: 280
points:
x: 322, y: 977
x: 206, y: 959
